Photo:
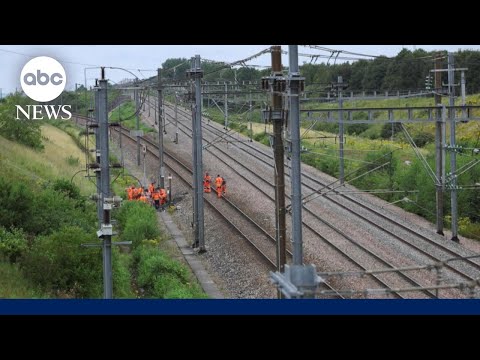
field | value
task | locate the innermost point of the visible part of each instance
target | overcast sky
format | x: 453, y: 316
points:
x: 147, y: 58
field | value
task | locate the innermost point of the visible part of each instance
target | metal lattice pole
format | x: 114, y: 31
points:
x: 199, y: 163
x: 105, y: 184
x: 194, y: 161
x: 195, y: 73
x: 464, y: 100
x: 439, y: 146
x: 453, y: 153
x: 120, y: 137
x: 161, y: 176
x: 226, y: 106
x: 279, y: 163
x: 340, y: 129
x: 250, y: 114
x: 98, y: 174
x: 176, y: 118
x: 296, y: 162
x: 137, y: 123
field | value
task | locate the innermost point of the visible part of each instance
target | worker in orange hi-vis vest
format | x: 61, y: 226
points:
x: 207, y: 183
x: 163, y: 197
x: 130, y: 192
x: 156, y: 198
x: 134, y: 193
x: 224, y: 188
x: 143, y: 198
x: 139, y: 192
x: 151, y: 188
x: 218, y: 184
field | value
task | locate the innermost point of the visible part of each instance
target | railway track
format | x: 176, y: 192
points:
x: 381, y: 279
x: 371, y: 216
x: 253, y: 233
x: 453, y: 268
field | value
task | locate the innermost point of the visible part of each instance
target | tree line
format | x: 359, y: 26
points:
x: 406, y: 71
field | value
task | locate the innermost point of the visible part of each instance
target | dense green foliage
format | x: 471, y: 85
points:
x: 59, y: 263
x: 43, y: 227
x: 13, y: 244
x: 163, y: 277
x: 125, y: 113
x: 157, y: 274
x: 138, y: 222
x: 81, y: 100
x: 404, y: 182
x: 23, y: 131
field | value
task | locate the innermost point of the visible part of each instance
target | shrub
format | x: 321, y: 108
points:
x: 423, y: 138
x: 386, y: 131
x: 50, y: 210
x: 66, y: 187
x: 58, y: 263
x: 162, y: 277
x: 15, y: 201
x: 138, y: 222
x: 259, y: 137
x: 23, y: 131
x: 355, y: 129
x: 13, y: 244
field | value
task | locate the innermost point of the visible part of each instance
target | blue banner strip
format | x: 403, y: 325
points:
x: 239, y: 307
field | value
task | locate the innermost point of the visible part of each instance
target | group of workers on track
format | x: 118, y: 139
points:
x: 158, y: 197
x: 155, y: 196
x: 220, y: 185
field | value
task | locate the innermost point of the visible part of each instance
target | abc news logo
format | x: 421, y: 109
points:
x: 43, y: 79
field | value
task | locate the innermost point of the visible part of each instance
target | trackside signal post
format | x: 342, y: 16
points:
x: 296, y: 280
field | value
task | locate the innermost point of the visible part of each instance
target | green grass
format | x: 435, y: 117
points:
x: 157, y: 273
x: 162, y: 277
x: 466, y: 132
x: 123, y: 113
x: 13, y: 284
x: 19, y: 162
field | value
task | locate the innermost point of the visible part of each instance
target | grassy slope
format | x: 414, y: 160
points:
x: 61, y: 159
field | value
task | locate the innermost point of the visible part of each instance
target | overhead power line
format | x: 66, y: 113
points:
x: 73, y: 62
x: 238, y: 62
x: 321, y: 48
